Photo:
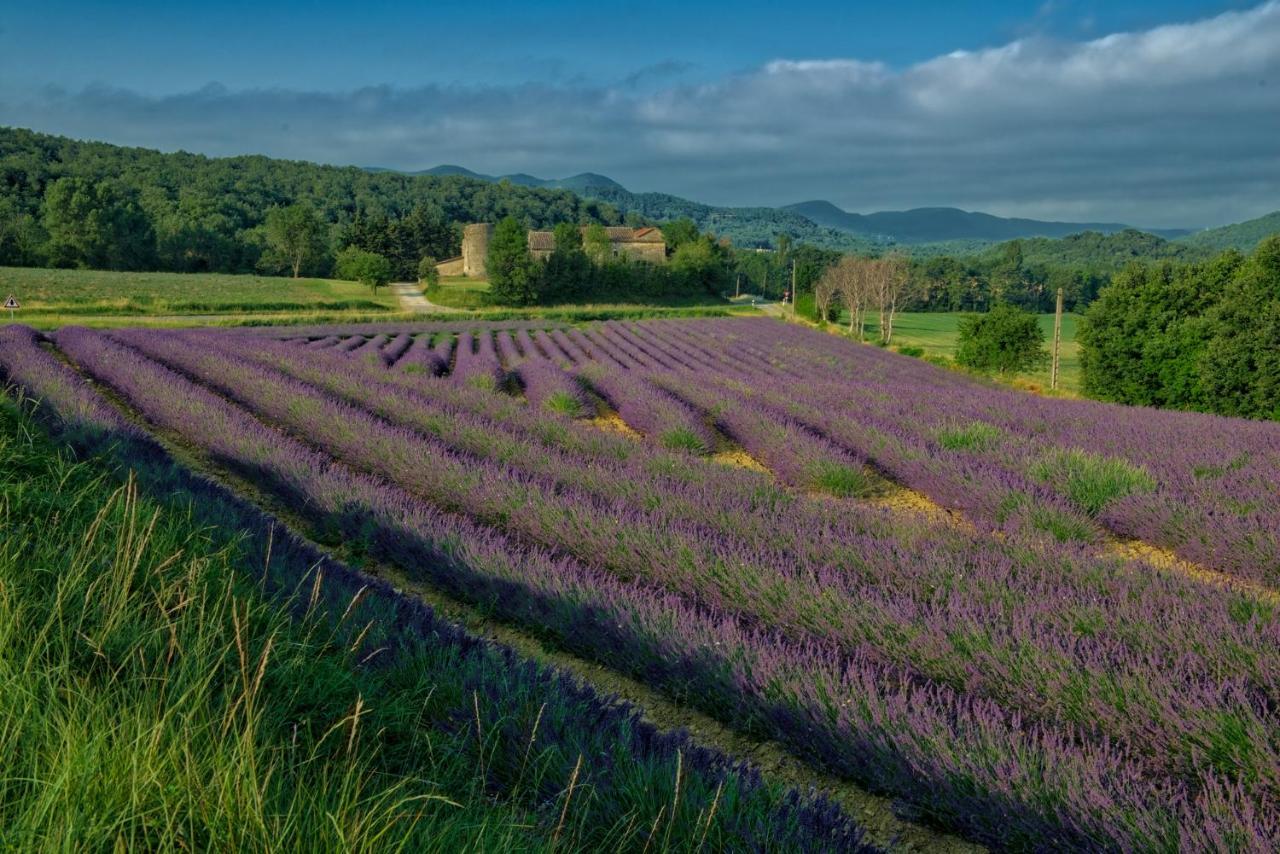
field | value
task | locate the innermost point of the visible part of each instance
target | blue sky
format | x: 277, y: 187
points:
x: 866, y: 104
x: 156, y: 47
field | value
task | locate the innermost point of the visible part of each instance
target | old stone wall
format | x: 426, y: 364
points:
x: 654, y: 253
x: 475, y: 249
x: 451, y: 267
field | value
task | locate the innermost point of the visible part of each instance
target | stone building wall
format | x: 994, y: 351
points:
x: 654, y: 253
x: 475, y: 249
x: 645, y: 244
x: 452, y: 267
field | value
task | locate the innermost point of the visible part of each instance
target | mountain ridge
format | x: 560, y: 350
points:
x: 752, y: 224
x: 940, y: 223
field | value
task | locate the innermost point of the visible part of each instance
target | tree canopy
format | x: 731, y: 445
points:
x: 1200, y: 336
x: 367, y: 268
x: 1006, y: 339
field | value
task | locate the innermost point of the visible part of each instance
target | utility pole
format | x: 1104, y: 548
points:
x: 1057, y: 341
x: 793, y: 286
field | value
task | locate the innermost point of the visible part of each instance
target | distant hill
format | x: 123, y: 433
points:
x: 1101, y: 253
x: 577, y: 183
x: 933, y: 225
x: 748, y: 227
x: 1243, y: 235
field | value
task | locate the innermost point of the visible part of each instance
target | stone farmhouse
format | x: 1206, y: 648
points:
x: 640, y: 244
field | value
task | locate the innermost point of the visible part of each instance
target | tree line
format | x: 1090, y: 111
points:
x: 1025, y: 273
x: 1202, y: 336
x: 67, y: 203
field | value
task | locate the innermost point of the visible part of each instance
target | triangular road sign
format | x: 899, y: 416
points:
x: 11, y: 303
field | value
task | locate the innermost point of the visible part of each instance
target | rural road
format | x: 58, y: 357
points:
x: 411, y: 299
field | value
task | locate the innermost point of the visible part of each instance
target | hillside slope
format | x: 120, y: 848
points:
x: 1242, y: 235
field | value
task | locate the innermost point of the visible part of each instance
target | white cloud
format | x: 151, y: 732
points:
x: 1174, y: 125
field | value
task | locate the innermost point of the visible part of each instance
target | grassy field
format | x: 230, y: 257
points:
x: 459, y: 292
x: 85, y: 293
x: 464, y: 293
x: 146, y: 680
x: 937, y: 333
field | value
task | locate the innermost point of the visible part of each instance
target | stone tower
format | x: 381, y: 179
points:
x: 475, y: 249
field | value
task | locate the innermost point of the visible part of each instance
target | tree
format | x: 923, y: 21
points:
x: 568, y: 272
x: 428, y: 275
x: 95, y: 225
x: 1239, y: 370
x: 824, y: 294
x: 850, y: 279
x: 1005, y: 339
x: 368, y: 268
x: 700, y: 265
x: 679, y: 232
x: 597, y: 245
x: 512, y: 271
x: 889, y: 276
x: 295, y: 234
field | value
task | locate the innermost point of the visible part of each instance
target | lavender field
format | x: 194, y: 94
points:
x: 1037, y: 624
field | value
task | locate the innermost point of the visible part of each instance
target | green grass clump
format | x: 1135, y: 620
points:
x: 1028, y: 513
x: 842, y: 480
x: 563, y: 403
x: 1091, y: 481
x: 1063, y: 527
x: 683, y: 439
x: 974, y: 436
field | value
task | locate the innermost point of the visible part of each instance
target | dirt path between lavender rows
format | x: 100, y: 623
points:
x: 411, y: 299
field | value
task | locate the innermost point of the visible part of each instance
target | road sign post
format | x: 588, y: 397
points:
x: 12, y: 304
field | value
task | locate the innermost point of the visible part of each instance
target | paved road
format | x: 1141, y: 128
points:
x: 411, y: 299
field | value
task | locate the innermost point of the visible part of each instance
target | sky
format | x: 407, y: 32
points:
x: 1160, y: 114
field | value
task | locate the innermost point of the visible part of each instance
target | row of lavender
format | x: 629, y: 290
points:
x: 1201, y: 485
x: 1027, y: 655
x: 717, y: 798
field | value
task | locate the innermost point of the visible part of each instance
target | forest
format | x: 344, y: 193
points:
x: 85, y: 204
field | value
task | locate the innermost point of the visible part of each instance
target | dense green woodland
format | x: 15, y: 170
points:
x: 1202, y: 336
x: 69, y: 203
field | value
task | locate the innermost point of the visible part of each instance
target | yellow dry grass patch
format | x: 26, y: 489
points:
x: 1166, y: 561
x: 740, y: 459
x: 900, y: 499
x: 609, y: 420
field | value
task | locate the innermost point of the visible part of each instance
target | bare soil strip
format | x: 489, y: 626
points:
x: 1166, y: 561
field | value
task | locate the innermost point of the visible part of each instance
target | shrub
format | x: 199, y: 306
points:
x: 428, y: 275
x: 1005, y: 339
x: 911, y: 350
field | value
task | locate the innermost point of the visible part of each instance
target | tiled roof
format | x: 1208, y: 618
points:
x: 542, y: 240
x: 546, y: 240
